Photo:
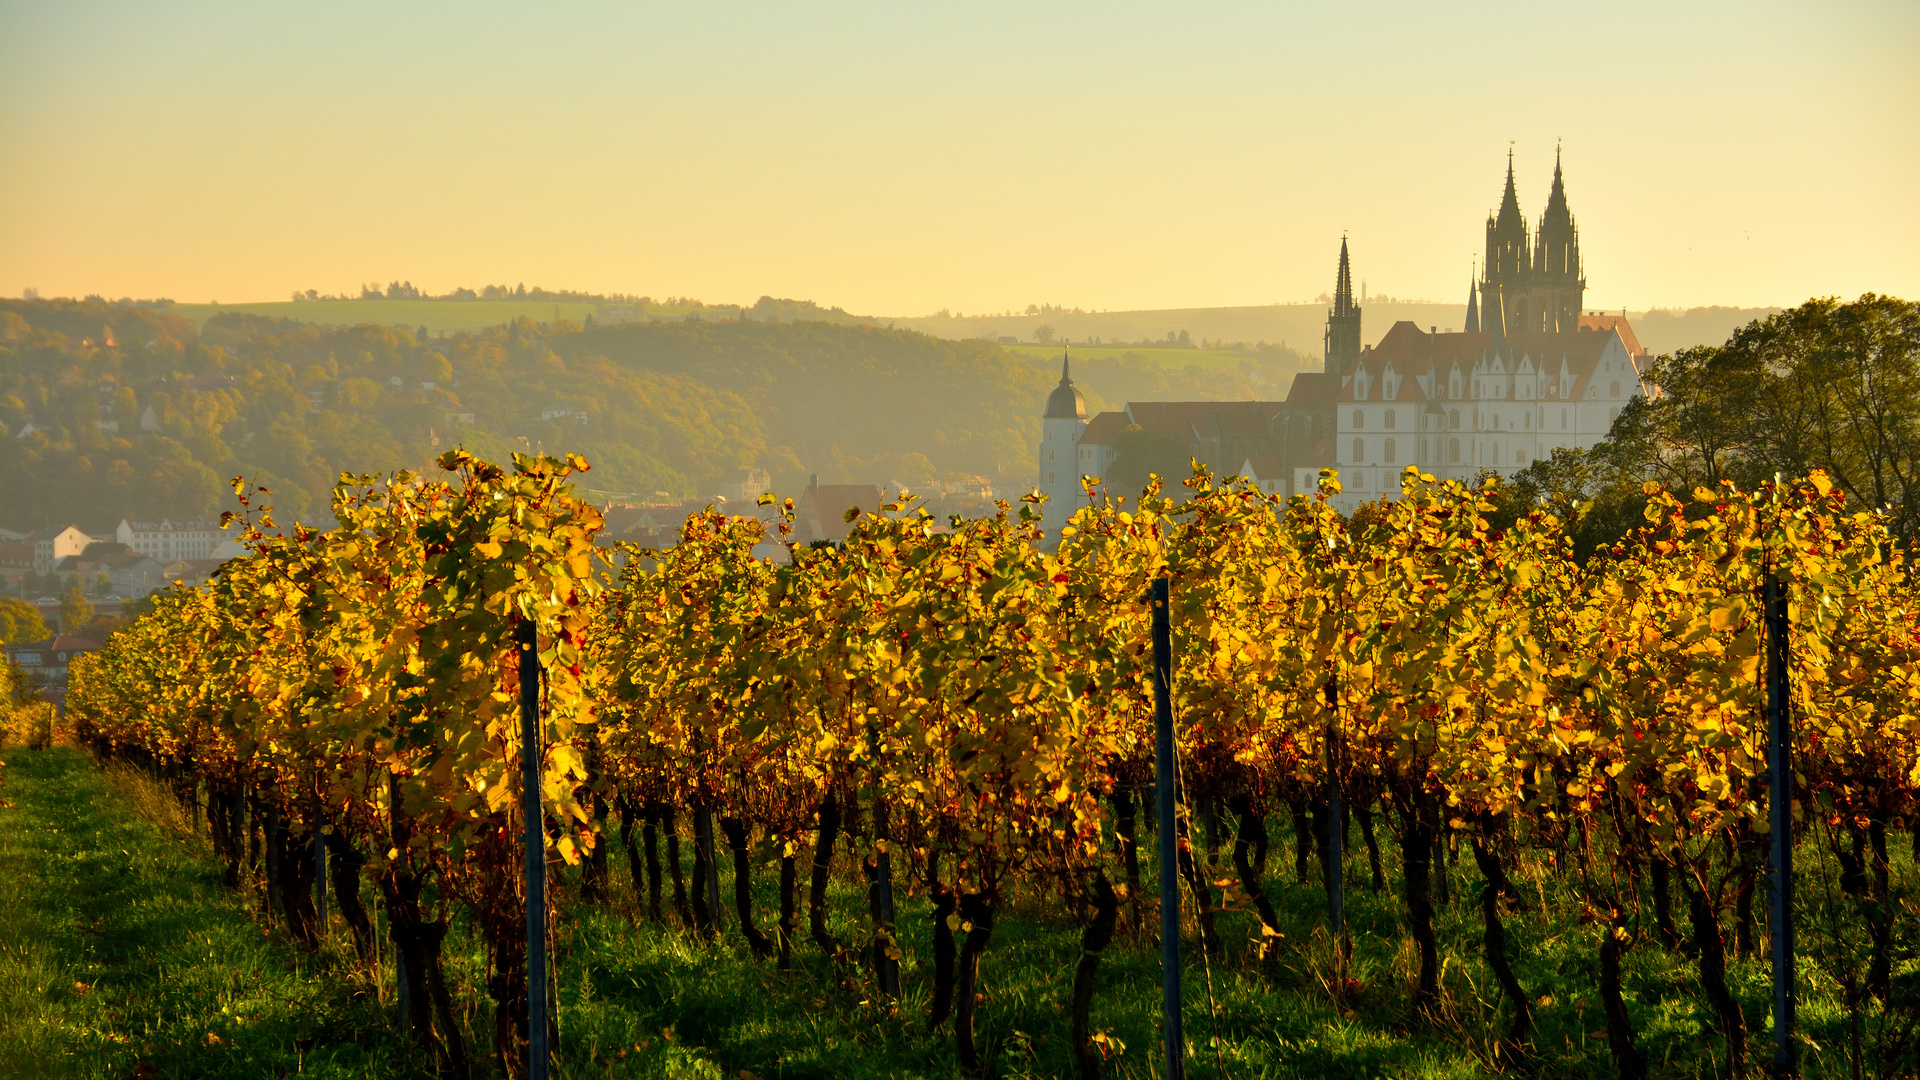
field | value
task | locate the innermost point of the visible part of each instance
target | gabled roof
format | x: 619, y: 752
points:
x: 827, y: 506
x: 1208, y: 419
x: 56, y: 643
x: 1411, y: 351
x: 1101, y: 430
x: 1313, y: 388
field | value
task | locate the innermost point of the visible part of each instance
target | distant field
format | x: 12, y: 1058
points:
x: 435, y: 315
x: 1228, y: 358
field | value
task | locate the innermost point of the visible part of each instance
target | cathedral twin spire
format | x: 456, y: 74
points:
x: 1536, y: 282
x: 1525, y: 284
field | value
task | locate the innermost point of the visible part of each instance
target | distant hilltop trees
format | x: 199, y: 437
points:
x: 406, y: 290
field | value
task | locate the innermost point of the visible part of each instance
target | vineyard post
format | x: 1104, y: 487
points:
x: 402, y: 995
x: 1169, y: 856
x: 319, y: 879
x: 536, y: 848
x: 1336, y: 830
x: 319, y: 871
x: 1780, y: 821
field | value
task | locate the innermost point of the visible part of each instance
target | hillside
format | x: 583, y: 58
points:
x: 1301, y: 326
x: 116, y: 410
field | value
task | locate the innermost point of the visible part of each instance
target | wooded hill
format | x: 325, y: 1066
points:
x: 118, y: 410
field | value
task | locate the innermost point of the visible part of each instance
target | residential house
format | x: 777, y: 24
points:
x: 46, y: 661
x: 56, y: 542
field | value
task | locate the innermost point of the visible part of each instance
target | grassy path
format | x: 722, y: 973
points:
x: 121, y: 955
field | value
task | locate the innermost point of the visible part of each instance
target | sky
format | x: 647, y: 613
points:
x: 895, y: 159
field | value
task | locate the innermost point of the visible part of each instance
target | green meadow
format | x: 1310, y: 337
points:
x: 121, y: 955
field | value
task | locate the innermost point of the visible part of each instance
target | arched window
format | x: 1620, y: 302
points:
x: 1389, y: 419
x: 1613, y: 389
x: 1453, y: 451
x: 1529, y: 421
x: 1359, y: 420
x: 1391, y: 455
x: 1453, y: 419
x: 1563, y: 418
x: 1359, y: 451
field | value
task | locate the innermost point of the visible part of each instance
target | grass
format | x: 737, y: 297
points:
x: 121, y: 955
x: 119, y: 949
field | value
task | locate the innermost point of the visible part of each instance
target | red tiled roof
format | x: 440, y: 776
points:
x: 1412, y: 352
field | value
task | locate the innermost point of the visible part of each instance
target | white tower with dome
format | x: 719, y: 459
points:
x: 1060, y: 467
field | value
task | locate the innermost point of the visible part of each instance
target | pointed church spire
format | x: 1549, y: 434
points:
x: 1066, y: 377
x: 1343, y: 283
x: 1343, y: 322
x: 1509, y: 199
x: 1473, y: 307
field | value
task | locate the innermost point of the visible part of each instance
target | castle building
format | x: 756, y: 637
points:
x: 1530, y: 373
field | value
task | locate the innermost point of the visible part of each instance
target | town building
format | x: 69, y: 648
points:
x: 56, y: 542
x: 820, y: 512
x: 46, y: 661
x: 166, y: 541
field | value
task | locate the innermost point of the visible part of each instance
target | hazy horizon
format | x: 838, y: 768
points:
x: 900, y: 161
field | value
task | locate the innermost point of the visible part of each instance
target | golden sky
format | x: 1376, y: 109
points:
x: 897, y: 158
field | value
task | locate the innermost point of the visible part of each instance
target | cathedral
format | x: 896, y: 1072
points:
x: 1529, y: 372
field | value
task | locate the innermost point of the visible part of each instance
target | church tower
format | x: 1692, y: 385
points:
x: 1343, y: 320
x: 1509, y: 265
x: 1060, y: 429
x: 1559, y: 289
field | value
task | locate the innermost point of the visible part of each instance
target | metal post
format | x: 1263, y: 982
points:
x: 1169, y: 855
x: 1780, y: 818
x: 532, y: 812
x: 1336, y: 872
x: 402, y: 992
x: 319, y: 879
x: 1336, y: 828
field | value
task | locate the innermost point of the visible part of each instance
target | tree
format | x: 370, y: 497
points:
x: 75, y: 611
x: 1839, y: 389
x: 1043, y: 334
x: 20, y: 621
x: 1139, y: 453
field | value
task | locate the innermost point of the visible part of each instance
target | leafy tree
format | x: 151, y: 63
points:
x: 20, y: 621
x: 1140, y: 453
x: 1044, y: 334
x: 75, y: 610
x: 1838, y: 388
